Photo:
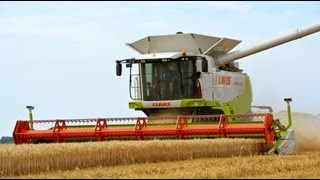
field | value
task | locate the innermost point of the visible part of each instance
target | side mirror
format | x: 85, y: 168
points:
x: 119, y: 68
x: 204, y: 64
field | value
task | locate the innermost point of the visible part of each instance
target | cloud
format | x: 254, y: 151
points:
x: 53, y: 27
x: 288, y: 12
x: 236, y: 6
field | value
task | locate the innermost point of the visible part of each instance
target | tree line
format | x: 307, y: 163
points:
x: 6, y: 140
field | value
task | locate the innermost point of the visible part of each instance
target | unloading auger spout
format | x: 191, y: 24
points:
x: 238, y: 54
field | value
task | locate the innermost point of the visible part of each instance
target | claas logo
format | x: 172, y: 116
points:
x: 161, y: 104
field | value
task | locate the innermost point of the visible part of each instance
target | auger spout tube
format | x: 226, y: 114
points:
x: 299, y: 33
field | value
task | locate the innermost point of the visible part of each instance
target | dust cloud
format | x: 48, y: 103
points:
x: 306, y: 127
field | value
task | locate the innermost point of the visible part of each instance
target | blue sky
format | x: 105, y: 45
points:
x: 60, y: 56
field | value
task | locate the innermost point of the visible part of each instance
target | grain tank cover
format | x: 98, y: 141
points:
x: 196, y: 43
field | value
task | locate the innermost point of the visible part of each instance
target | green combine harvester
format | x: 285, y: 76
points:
x: 189, y: 86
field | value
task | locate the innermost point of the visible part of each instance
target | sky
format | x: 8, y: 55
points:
x: 60, y: 56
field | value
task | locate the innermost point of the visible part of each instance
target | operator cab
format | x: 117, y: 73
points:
x: 165, y: 77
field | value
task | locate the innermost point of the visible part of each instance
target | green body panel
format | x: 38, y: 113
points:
x: 239, y: 105
x: 242, y: 104
x: 137, y: 105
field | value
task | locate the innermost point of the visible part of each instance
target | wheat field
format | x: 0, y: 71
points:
x: 305, y: 165
x: 205, y: 158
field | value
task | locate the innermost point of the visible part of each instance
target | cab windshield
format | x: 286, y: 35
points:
x: 168, y: 80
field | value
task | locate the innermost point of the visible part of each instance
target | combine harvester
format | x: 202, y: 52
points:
x: 189, y: 86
